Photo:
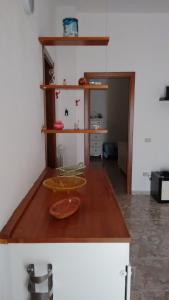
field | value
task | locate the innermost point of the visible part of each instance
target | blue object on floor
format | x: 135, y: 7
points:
x: 110, y: 150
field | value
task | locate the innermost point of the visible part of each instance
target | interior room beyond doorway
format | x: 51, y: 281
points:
x: 111, y: 109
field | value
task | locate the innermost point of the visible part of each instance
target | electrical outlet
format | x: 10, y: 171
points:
x: 147, y: 140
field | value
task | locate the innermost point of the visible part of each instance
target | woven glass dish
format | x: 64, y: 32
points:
x: 71, y: 170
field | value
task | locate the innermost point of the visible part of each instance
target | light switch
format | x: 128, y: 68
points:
x: 147, y: 140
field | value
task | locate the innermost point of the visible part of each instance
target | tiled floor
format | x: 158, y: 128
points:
x: 148, y: 223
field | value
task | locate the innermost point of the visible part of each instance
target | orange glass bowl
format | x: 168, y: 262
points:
x: 64, y: 183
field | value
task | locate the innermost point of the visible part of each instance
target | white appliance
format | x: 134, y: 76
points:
x: 96, y: 140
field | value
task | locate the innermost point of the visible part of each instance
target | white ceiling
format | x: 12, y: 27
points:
x: 118, y: 6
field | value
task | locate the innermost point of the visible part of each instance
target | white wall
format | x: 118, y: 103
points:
x: 65, y: 67
x: 138, y: 42
x: 22, y: 151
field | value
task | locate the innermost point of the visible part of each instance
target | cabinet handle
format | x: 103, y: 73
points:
x: 33, y: 280
x: 128, y: 282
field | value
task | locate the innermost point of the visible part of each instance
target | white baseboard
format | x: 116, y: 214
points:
x: 146, y: 193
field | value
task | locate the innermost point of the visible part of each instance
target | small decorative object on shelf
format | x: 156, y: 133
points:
x: 82, y: 81
x: 58, y: 125
x: 57, y: 94
x: 64, y: 81
x: 66, y: 112
x: 70, y: 27
x: 76, y: 125
x: 99, y: 115
x: 95, y: 82
x: 77, y: 102
x: 95, y: 114
x: 52, y: 74
x: 28, y: 6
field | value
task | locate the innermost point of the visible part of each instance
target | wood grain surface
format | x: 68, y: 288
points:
x: 74, y: 87
x: 92, y: 131
x: 74, y: 41
x: 99, y: 218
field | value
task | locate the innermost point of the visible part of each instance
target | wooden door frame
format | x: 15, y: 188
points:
x: 49, y: 113
x: 108, y: 75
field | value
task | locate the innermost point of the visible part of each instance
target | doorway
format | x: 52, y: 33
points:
x: 116, y: 150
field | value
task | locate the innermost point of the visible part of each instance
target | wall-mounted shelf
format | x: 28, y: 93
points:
x: 74, y: 41
x: 74, y: 87
x: 48, y: 131
x: 50, y: 105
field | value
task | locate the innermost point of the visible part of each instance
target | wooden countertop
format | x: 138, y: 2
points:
x: 99, y: 218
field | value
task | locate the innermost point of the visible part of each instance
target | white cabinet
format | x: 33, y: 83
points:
x: 89, y: 251
x: 92, y: 271
x: 96, y: 140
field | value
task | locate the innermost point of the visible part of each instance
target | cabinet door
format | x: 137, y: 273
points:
x: 80, y: 271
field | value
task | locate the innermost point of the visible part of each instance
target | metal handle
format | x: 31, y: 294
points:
x: 33, y: 280
x: 128, y: 282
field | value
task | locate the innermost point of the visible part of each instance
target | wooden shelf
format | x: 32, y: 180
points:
x: 48, y: 131
x: 74, y: 41
x: 99, y: 218
x: 74, y: 87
